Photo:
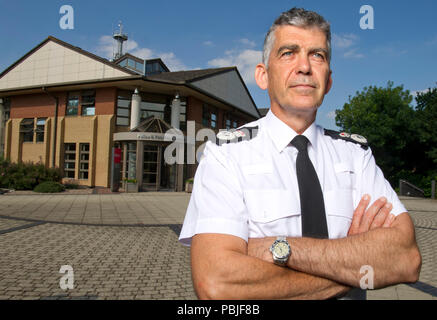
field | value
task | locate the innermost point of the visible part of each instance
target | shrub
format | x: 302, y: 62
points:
x: 49, y: 187
x: 25, y: 176
x: 71, y: 185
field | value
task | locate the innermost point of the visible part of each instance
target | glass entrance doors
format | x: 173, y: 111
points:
x: 151, y: 167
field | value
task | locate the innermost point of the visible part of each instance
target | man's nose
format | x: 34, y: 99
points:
x: 303, y: 64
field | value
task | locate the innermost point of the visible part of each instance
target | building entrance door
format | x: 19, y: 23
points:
x: 152, y: 167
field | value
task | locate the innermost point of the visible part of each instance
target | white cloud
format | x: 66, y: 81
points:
x: 415, y: 93
x: 247, y: 42
x: 244, y: 60
x: 353, y: 54
x: 347, y: 44
x: 107, y: 46
x: 331, y: 114
x: 344, y: 41
x: 389, y: 50
x: 208, y: 43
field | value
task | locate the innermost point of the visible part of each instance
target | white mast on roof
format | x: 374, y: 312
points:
x: 120, y: 37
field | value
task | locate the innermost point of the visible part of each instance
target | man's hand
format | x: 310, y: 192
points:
x: 376, y: 216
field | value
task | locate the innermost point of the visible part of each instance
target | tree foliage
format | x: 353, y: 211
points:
x: 403, y: 138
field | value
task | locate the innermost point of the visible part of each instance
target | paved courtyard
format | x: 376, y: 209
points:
x: 124, y: 246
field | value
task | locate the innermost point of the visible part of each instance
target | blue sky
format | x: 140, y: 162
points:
x: 193, y: 34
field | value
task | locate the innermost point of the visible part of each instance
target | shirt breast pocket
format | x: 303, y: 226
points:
x: 273, y: 212
x: 339, y: 212
x: 345, y: 175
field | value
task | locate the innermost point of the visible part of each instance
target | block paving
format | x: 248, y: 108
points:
x: 124, y: 246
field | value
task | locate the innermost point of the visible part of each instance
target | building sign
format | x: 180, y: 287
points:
x: 150, y: 136
x: 117, y: 155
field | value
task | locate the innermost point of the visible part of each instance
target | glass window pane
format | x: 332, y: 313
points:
x: 41, y: 121
x: 139, y: 66
x: 152, y: 106
x: 72, y: 110
x: 122, y: 121
x: 88, y: 111
x: 123, y: 112
x: 70, y: 157
x: 123, y: 103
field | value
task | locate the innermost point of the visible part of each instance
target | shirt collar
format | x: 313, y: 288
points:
x: 281, y: 134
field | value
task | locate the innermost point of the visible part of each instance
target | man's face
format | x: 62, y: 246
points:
x: 298, y: 74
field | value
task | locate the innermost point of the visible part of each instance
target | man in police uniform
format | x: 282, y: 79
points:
x: 249, y: 214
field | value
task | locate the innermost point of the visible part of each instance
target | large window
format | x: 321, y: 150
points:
x: 84, y: 157
x: 40, y: 126
x: 7, y: 109
x: 72, y: 104
x: 85, y: 99
x: 27, y: 129
x: 183, y: 117
x: 227, y: 121
x: 123, y: 107
x: 69, y: 160
x: 209, y: 116
x: 88, y: 103
x: 151, y: 105
x: 152, y: 109
x: 213, y: 120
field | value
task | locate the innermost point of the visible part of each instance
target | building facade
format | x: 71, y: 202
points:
x: 65, y: 107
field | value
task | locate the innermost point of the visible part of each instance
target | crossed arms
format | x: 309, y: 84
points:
x: 227, y: 267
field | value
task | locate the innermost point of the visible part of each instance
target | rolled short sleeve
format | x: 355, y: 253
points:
x: 374, y: 184
x: 216, y: 204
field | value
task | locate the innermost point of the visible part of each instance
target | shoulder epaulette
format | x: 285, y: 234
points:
x: 236, y: 135
x: 355, y: 138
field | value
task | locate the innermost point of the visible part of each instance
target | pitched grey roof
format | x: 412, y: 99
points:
x: 187, y: 76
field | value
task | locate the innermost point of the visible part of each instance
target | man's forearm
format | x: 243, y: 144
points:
x: 257, y: 279
x: 232, y: 274
x: 386, y: 250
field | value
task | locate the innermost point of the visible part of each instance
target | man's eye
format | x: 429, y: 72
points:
x: 319, y: 55
x: 287, y: 53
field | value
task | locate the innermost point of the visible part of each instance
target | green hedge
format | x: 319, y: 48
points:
x: 26, y: 176
x: 49, y: 187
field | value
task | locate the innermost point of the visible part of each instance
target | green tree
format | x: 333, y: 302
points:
x: 426, y: 111
x: 426, y: 115
x: 385, y: 117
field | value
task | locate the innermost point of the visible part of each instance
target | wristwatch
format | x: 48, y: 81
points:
x: 281, y: 251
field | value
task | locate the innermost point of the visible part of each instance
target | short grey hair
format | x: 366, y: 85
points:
x: 297, y: 17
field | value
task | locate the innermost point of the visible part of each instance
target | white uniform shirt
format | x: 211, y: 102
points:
x: 249, y: 189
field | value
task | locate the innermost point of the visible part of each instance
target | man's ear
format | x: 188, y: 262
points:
x: 261, y: 76
x: 329, y: 84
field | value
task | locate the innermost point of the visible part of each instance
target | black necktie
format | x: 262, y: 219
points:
x: 311, y: 196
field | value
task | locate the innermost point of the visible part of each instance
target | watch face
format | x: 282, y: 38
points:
x: 281, y: 250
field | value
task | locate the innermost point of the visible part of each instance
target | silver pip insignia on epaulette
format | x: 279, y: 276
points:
x: 236, y: 135
x: 355, y: 138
